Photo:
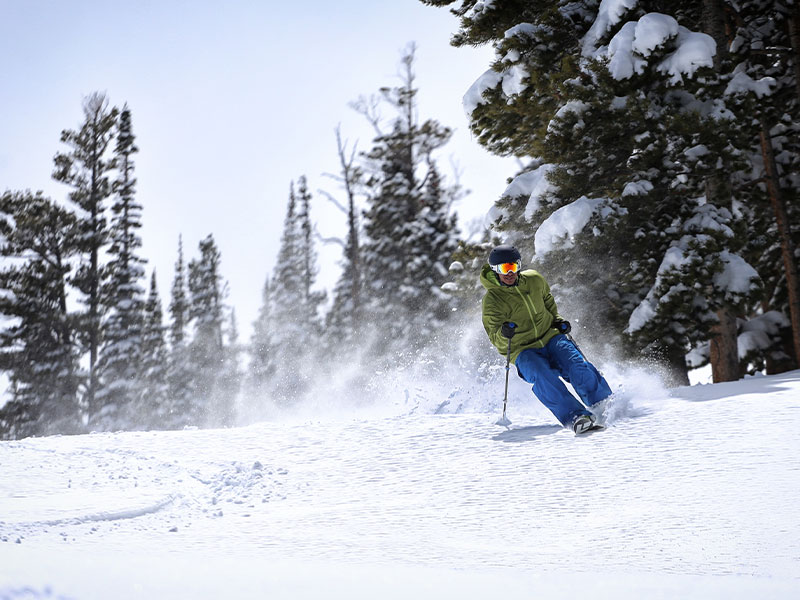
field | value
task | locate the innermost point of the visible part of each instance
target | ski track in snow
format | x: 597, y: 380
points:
x: 694, y: 485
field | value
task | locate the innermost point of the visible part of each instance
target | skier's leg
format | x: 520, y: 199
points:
x: 534, y: 367
x: 584, y: 377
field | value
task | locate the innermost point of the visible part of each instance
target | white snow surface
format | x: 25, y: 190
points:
x: 687, y: 494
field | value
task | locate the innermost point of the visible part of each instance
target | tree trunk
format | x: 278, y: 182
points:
x: 714, y: 25
x: 784, y: 231
x: 725, y: 348
x: 724, y: 345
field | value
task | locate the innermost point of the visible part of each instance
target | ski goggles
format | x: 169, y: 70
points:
x: 506, y: 268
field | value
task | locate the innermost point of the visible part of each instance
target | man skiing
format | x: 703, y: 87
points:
x: 519, y: 312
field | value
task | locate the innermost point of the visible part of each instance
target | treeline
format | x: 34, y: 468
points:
x: 660, y: 191
x: 658, y: 195
x: 87, y: 345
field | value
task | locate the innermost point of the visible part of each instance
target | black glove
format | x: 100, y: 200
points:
x: 562, y: 326
x: 508, y: 330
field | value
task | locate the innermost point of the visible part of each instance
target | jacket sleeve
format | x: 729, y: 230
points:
x: 549, y: 302
x: 493, y: 318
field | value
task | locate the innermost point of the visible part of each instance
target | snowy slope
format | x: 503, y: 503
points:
x: 693, y: 496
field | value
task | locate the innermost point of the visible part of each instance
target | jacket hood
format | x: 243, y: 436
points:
x: 488, y: 277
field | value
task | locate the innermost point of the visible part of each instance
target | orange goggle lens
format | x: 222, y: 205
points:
x: 506, y: 268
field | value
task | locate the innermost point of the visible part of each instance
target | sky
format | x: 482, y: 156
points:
x: 231, y: 102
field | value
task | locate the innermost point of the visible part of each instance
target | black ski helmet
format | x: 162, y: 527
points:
x: 504, y: 254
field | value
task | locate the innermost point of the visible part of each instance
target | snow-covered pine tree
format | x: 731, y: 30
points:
x: 153, y: 369
x: 122, y: 295
x: 230, y: 383
x: 207, y: 348
x: 86, y: 168
x: 399, y: 304
x: 263, y: 356
x: 690, y: 150
x: 312, y: 299
x: 182, y: 408
x: 434, y: 238
x: 294, y: 305
x: 38, y: 346
x: 625, y: 135
x: 764, y: 91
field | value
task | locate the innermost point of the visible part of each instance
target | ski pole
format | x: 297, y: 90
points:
x: 574, y: 343
x: 503, y: 420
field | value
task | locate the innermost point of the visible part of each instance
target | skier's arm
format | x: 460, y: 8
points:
x: 550, y: 303
x: 493, y: 319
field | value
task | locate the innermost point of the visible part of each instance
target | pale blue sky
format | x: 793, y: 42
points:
x: 230, y: 102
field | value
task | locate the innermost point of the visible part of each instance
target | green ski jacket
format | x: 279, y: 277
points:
x: 529, y: 304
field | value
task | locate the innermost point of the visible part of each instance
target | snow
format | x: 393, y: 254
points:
x: 511, y: 80
x: 533, y: 184
x: 709, y: 217
x: 663, y: 504
x: 480, y: 6
x: 566, y: 222
x: 697, y: 152
x: 673, y: 259
x: 631, y: 47
x: 742, y: 83
x: 652, y: 31
x: 622, y: 62
x: 737, y: 277
x: 576, y: 107
x: 694, y: 50
x: 609, y: 14
x: 637, y: 188
x: 474, y: 95
x: 758, y: 333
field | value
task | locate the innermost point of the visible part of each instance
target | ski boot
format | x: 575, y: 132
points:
x: 583, y: 423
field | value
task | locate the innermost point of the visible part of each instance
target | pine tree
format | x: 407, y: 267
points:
x: 635, y: 139
x: 286, y: 301
x: 232, y: 376
x: 765, y: 92
x: 87, y: 169
x: 207, y: 348
x: 312, y: 299
x: 153, y: 370
x: 181, y: 409
x: 262, y: 352
x: 434, y: 240
x: 123, y: 294
x: 293, y: 304
x: 404, y: 269
x: 38, y: 342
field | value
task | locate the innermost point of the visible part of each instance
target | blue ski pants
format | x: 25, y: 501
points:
x: 560, y: 357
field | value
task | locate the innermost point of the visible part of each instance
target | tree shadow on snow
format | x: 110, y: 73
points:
x: 526, y: 434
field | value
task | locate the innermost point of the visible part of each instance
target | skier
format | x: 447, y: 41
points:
x: 519, y: 310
